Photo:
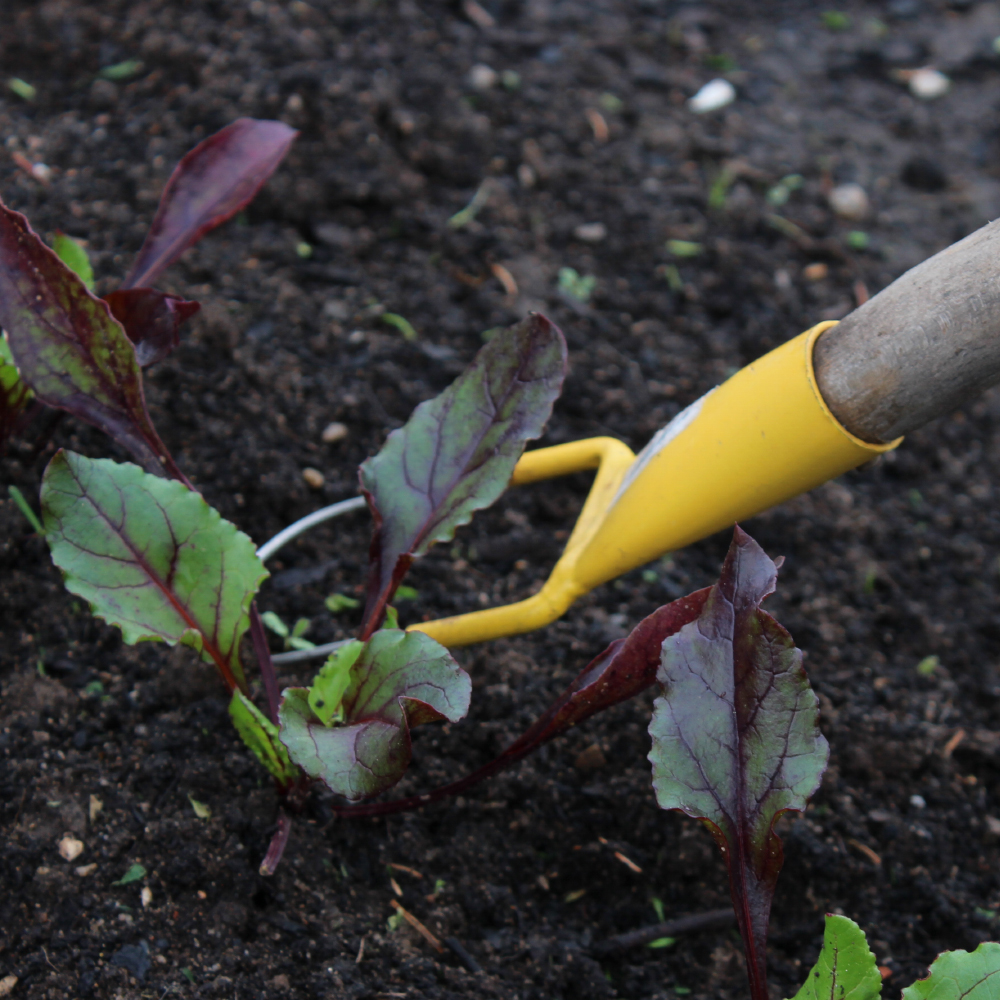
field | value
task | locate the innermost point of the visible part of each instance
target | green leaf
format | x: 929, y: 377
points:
x: 295, y: 642
x: 736, y: 740
x: 151, y: 557
x: 959, y: 975
x: 456, y: 453
x: 121, y: 71
x: 405, y: 593
x: 275, y: 624
x: 74, y: 256
x: 22, y: 88
x: 402, y: 324
x: 341, y: 602
x: 835, y: 20
x: 25, y: 508
x: 14, y: 393
x: 201, y: 810
x: 663, y: 942
x: 684, y: 248
x: 135, y: 872
x: 928, y: 665
x: 329, y: 685
x: 399, y: 680
x: 845, y: 968
x: 576, y: 286
x: 260, y: 734
x: 300, y: 627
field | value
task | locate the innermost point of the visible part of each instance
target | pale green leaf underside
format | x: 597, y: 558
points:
x: 845, y: 969
x: 961, y: 975
x: 150, y: 555
x: 261, y: 736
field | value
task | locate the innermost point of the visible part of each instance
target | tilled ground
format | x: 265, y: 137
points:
x: 584, y: 124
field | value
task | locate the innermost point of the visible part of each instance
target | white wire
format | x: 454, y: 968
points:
x: 301, y: 526
x: 316, y: 653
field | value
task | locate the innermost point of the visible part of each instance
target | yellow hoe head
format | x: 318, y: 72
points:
x: 760, y: 438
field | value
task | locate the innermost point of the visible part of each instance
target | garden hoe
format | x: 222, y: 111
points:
x: 831, y: 399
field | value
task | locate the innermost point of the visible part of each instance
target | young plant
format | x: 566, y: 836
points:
x: 153, y: 558
x: 846, y: 969
x: 736, y: 740
x: 81, y: 353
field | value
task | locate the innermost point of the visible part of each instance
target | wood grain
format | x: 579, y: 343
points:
x: 921, y: 347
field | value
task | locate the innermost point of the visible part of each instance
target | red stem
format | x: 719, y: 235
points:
x: 277, y: 847
x: 264, y: 662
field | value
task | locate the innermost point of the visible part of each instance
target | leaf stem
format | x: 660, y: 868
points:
x: 25, y: 508
x: 264, y: 662
x: 277, y: 847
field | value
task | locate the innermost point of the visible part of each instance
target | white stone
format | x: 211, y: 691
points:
x: 483, y: 77
x: 70, y: 848
x: 927, y: 84
x: 591, y: 232
x: 849, y: 201
x: 714, y: 95
x: 334, y: 432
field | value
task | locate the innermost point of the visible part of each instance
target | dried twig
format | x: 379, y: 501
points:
x: 418, y: 926
x: 669, y: 928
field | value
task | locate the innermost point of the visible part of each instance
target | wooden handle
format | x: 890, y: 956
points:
x: 919, y: 348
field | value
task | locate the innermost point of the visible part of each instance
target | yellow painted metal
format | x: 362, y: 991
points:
x: 763, y: 437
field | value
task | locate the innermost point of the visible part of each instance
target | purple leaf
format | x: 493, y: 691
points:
x: 68, y: 347
x: 625, y: 668
x: 400, y: 679
x: 735, y: 735
x: 211, y: 184
x: 152, y: 320
x: 456, y: 453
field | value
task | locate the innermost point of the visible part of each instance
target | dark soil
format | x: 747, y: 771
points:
x: 888, y: 566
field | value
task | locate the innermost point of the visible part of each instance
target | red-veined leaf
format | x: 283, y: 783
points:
x: 152, y: 320
x: 151, y: 557
x: 211, y: 184
x: 68, y: 347
x: 456, y: 453
x: 399, y: 680
x: 735, y: 735
x: 625, y: 668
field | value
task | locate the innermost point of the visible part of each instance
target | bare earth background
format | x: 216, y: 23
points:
x: 892, y: 564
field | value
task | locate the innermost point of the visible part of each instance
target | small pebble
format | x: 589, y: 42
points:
x: 526, y: 176
x: 714, y: 95
x: 146, y: 896
x: 815, y: 272
x: 992, y: 828
x: 849, y: 201
x: 483, y: 77
x: 314, y: 478
x: 84, y: 870
x: 927, y: 84
x: 918, y: 802
x: 70, y: 848
x: 591, y: 232
x: 591, y: 759
x: 281, y: 982
x: 334, y: 432
x: 7, y: 984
